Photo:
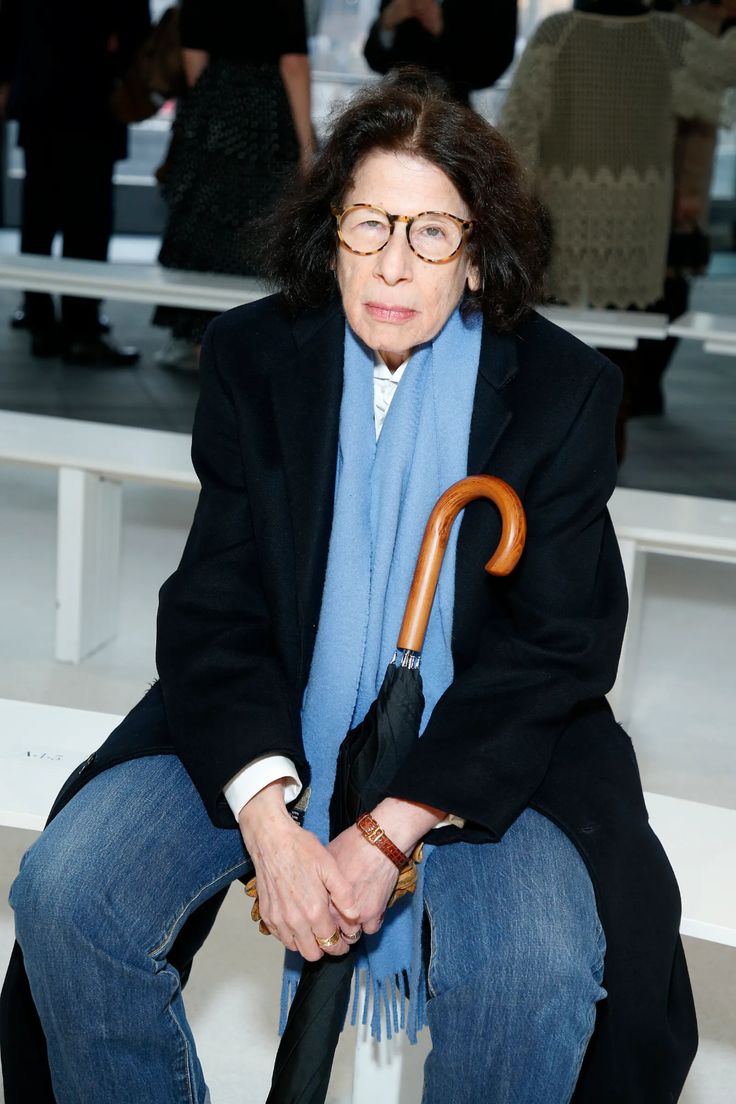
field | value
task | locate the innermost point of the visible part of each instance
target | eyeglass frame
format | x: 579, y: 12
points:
x: 340, y: 212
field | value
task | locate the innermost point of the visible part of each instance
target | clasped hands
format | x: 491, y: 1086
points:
x: 309, y: 893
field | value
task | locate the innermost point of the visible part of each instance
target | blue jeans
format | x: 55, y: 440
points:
x: 515, y: 968
x: 104, y: 891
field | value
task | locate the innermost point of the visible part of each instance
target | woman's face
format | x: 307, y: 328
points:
x: 393, y: 300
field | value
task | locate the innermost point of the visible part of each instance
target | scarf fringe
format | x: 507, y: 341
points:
x: 387, y: 1004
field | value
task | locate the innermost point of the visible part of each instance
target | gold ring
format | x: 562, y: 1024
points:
x: 351, y: 938
x: 330, y: 941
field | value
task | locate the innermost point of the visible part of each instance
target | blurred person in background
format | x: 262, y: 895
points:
x: 468, y: 43
x: 688, y: 254
x: 241, y: 133
x: 58, y: 65
x: 592, y: 112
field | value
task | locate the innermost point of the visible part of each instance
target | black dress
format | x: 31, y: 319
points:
x: 234, y: 146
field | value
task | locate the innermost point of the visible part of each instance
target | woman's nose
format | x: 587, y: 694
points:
x: 395, y: 261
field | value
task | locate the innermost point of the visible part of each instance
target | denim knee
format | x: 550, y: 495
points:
x: 527, y: 957
x: 521, y: 910
x: 32, y: 895
x: 50, y: 896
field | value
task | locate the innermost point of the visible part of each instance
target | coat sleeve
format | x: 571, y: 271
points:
x: 224, y: 687
x: 492, y: 735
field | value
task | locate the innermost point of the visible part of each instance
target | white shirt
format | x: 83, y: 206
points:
x: 268, y: 768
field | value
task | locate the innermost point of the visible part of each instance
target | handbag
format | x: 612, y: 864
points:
x: 688, y: 250
x: 155, y: 75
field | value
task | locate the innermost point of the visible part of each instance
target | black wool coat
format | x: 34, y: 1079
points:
x: 525, y: 721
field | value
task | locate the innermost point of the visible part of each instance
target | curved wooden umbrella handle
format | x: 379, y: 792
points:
x: 434, y: 543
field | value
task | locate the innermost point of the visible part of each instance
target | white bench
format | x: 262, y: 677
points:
x: 716, y: 331
x: 41, y: 744
x: 150, y: 283
x: 92, y: 460
x: 611, y: 329
x: 653, y: 523
x: 135, y: 283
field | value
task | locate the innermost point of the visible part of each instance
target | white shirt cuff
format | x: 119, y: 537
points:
x: 259, y: 773
x: 451, y: 821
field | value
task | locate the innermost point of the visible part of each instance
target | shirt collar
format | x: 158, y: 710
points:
x: 381, y: 372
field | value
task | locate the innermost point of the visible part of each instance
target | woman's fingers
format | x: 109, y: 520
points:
x: 295, y: 881
x: 341, y: 892
x: 372, y: 876
x: 305, y: 925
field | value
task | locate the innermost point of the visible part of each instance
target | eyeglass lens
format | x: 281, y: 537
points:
x: 367, y: 229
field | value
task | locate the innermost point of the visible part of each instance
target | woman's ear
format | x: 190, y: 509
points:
x: 473, y: 279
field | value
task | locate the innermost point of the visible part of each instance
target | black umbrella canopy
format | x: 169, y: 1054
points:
x: 368, y: 760
x: 371, y: 753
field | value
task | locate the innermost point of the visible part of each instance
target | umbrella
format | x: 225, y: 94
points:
x: 368, y: 759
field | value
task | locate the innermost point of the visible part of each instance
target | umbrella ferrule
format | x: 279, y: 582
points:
x: 404, y: 657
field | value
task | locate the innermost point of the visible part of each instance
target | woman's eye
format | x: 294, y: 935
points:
x: 433, y: 231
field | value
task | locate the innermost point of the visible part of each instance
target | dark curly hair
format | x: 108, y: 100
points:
x: 411, y: 111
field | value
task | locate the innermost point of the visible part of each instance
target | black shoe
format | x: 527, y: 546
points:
x: 46, y: 342
x: 96, y: 352
x: 19, y: 320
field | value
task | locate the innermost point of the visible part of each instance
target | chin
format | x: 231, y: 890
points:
x: 394, y: 338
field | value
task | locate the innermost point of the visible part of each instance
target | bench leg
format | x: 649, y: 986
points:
x: 377, y: 1068
x: 621, y: 696
x: 88, y: 563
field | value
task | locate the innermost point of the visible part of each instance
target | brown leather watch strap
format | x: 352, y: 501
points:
x: 375, y: 834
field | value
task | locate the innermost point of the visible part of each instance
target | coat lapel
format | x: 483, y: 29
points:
x: 491, y: 414
x: 480, y: 528
x: 306, y: 389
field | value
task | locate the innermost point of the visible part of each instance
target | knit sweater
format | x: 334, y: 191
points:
x: 592, y: 113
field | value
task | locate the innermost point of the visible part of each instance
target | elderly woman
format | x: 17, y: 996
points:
x: 401, y: 354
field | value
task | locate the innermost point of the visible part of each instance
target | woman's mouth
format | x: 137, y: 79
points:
x: 384, y: 312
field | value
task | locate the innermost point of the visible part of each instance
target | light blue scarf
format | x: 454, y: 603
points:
x: 384, y: 493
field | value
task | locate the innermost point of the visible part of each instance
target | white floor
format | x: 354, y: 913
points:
x: 682, y: 726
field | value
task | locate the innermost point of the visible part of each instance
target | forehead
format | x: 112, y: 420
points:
x: 403, y: 184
